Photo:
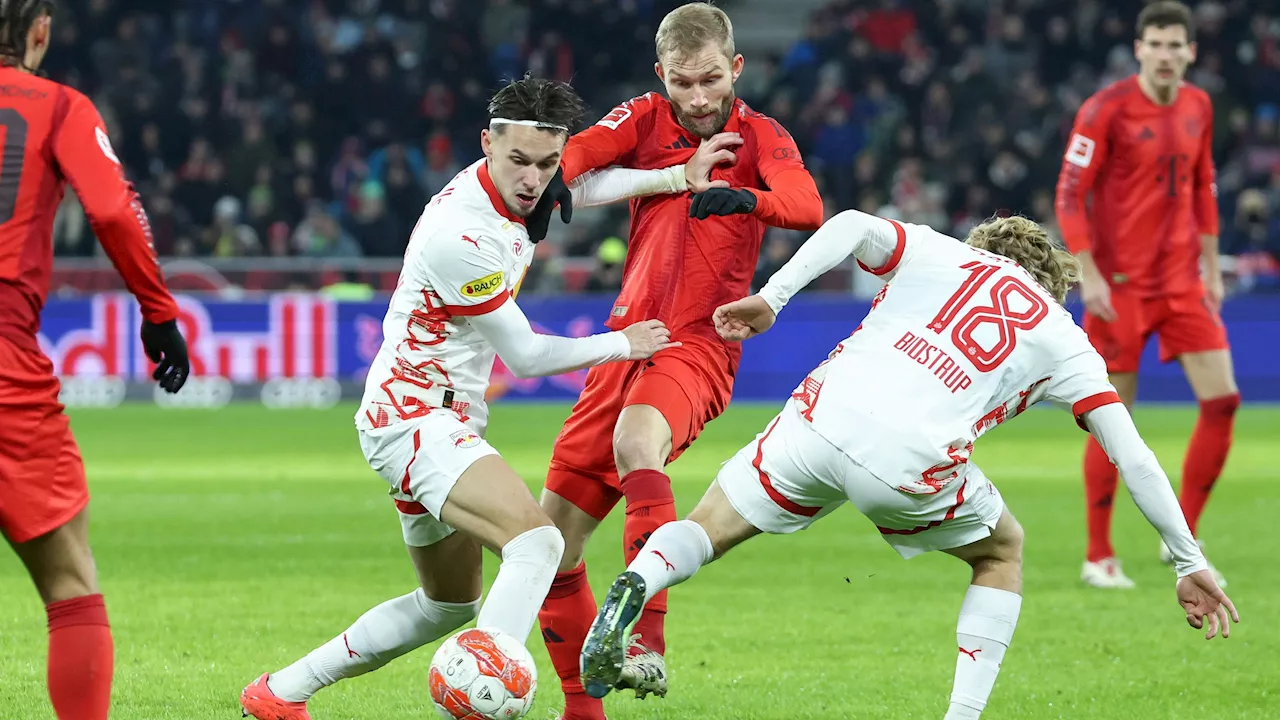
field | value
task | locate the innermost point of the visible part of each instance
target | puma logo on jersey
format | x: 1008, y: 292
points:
x: 1080, y: 151
x: 486, y: 285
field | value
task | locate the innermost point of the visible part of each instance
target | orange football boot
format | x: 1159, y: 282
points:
x: 259, y: 702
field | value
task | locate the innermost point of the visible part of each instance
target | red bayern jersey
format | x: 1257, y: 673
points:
x: 53, y: 135
x: 679, y: 269
x: 1149, y: 169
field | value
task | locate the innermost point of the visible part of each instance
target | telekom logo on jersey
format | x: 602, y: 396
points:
x: 299, y: 341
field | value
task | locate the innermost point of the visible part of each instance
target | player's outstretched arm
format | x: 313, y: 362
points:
x: 531, y: 354
x: 877, y: 243
x: 602, y: 187
x: 1205, y: 604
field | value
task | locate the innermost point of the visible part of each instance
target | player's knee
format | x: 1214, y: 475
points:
x: 1221, y: 408
x: 636, y: 451
x: 543, y: 546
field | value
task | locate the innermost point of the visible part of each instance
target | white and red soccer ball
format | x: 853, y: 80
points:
x: 483, y: 675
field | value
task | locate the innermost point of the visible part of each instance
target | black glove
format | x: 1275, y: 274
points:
x: 539, y: 220
x: 722, y: 201
x: 165, y: 345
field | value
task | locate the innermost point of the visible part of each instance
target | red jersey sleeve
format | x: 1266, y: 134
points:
x: 792, y: 200
x: 1085, y: 156
x: 86, y: 159
x: 611, y: 141
x: 1206, y: 187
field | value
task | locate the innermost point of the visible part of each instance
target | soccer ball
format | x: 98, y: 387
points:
x: 483, y: 675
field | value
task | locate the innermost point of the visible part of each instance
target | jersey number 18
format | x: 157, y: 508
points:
x: 996, y: 312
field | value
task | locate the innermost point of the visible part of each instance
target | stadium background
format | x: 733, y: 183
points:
x: 261, y: 134
x: 288, y: 146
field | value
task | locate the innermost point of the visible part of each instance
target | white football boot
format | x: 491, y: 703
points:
x: 1105, y: 573
x: 1166, y: 557
x: 643, y: 670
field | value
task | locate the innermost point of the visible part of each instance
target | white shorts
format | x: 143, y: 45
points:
x: 422, y: 460
x: 790, y: 476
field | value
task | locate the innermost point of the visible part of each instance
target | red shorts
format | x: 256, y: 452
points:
x: 1184, y: 324
x: 690, y: 385
x: 42, y: 483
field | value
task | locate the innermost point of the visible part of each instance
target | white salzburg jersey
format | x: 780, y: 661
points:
x: 466, y: 256
x: 959, y: 341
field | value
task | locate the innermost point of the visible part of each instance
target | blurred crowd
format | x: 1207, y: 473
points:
x: 319, y: 128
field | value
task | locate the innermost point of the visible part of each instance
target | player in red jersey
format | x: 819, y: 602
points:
x: 1149, y: 251
x: 51, y: 135
x: 688, y: 254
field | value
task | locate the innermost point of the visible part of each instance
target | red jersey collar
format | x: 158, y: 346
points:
x: 495, y: 197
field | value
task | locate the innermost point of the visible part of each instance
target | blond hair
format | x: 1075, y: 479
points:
x: 689, y: 28
x: 1026, y: 243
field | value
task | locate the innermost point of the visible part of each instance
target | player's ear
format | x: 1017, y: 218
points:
x: 486, y: 143
x: 735, y: 66
x: 1192, y: 48
x: 657, y: 70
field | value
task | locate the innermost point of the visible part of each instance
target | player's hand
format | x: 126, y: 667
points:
x: 1206, y: 605
x: 1214, y: 292
x: 1096, y: 295
x: 557, y: 193
x: 648, y: 337
x: 741, y: 319
x: 711, y: 152
x: 722, y: 201
x: 164, y: 345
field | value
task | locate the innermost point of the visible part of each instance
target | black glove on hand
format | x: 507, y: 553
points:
x: 722, y: 201
x: 539, y: 221
x: 165, y: 345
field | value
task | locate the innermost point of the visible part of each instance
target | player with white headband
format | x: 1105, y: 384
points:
x: 422, y: 421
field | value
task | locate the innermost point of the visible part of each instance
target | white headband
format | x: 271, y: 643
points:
x: 527, y: 123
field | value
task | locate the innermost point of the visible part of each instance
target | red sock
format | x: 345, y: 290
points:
x: 81, y: 658
x: 1206, y: 454
x: 566, y: 616
x: 650, y: 505
x: 1099, y: 492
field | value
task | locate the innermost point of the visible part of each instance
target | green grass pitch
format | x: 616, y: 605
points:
x: 231, y: 542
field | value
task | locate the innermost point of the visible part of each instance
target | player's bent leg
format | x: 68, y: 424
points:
x: 988, y: 616
x: 1101, y: 568
x: 673, y: 554
x: 518, y: 530
x: 450, y: 574
x: 81, y: 650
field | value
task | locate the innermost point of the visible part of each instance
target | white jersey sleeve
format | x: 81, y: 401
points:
x: 879, y: 246
x: 530, y: 354
x: 1148, y: 485
x: 466, y: 269
x: 601, y: 187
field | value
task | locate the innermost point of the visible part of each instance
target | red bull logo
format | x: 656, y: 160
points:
x: 465, y: 439
x: 289, y: 336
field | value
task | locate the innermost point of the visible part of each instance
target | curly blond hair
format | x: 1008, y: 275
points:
x: 1026, y: 243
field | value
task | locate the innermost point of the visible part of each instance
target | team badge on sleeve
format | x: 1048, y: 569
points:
x: 104, y: 143
x: 486, y: 285
x: 1080, y: 151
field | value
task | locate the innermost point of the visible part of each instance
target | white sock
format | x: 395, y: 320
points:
x: 529, y: 564
x: 987, y: 619
x: 381, y: 635
x: 672, y: 555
